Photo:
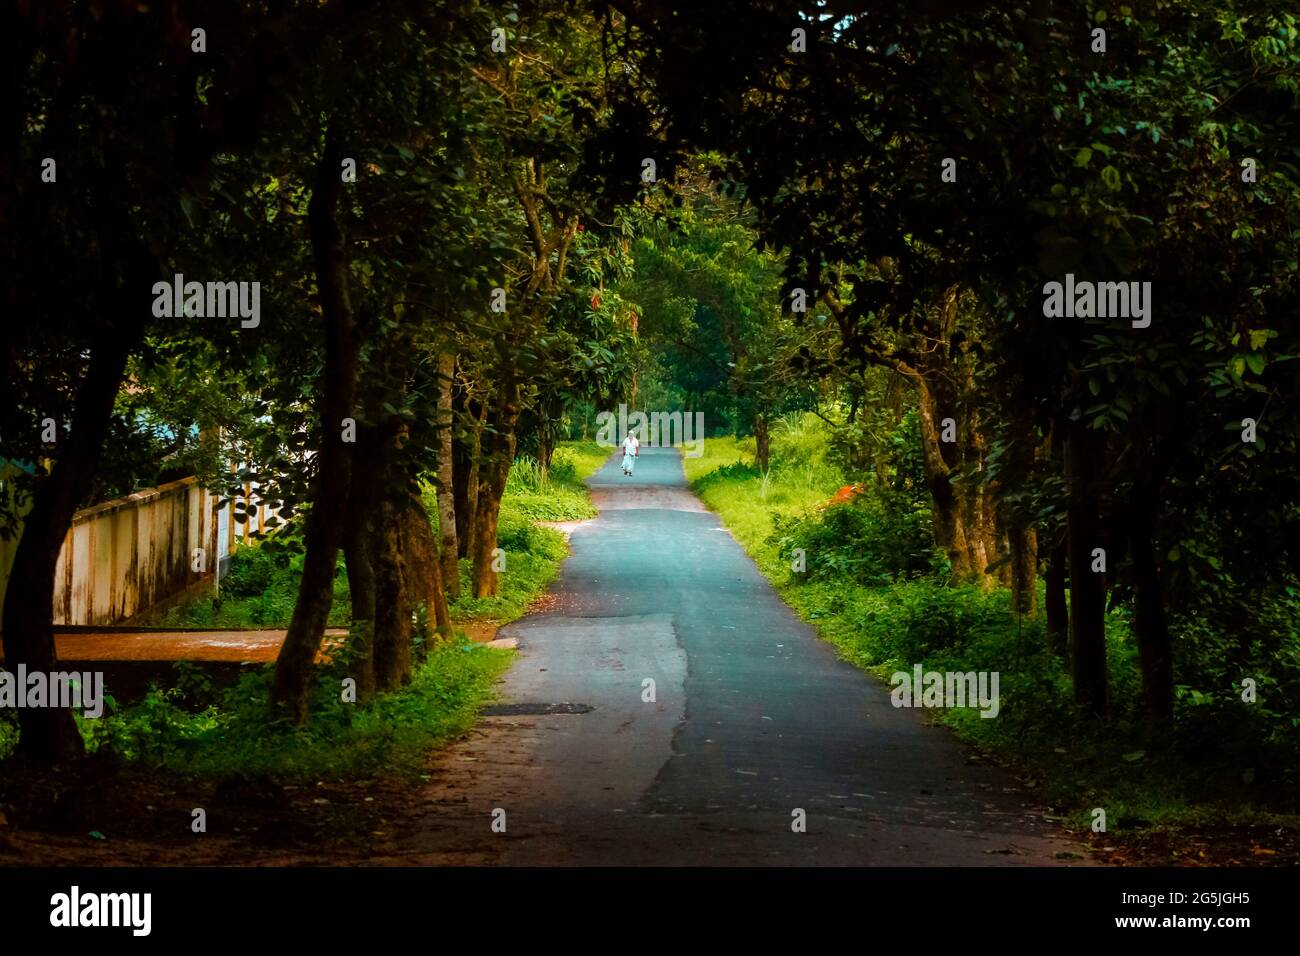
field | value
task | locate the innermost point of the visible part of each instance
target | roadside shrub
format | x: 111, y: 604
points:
x: 924, y: 617
x: 877, y: 538
x: 736, y: 471
x: 252, y: 571
x: 558, y: 496
x: 526, y: 475
x: 564, y: 470
x: 518, y: 535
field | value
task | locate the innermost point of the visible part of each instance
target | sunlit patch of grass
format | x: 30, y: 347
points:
x: 587, y: 457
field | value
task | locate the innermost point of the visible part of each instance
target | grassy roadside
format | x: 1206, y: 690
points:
x: 1168, y: 794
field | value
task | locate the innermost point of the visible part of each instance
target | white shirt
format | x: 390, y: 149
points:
x: 630, y: 444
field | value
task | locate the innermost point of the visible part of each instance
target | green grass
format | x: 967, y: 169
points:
x: 392, y: 734
x: 727, y: 480
x: 717, y: 452
x: 587, y: 457
x: 271, y: 606
x: 557, y: 496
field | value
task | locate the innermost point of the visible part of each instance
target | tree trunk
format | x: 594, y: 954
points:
x: 545, y: 448
x: 421, y: 564
x: 361, y: 575
x: 762, y: 443
x: 392, y: 609
x: 1023, y: 543
x: 1087, y: 588
x: 949, y: 529
x: 1057, y: 611
x: 450, y: 549
x: 984, y: 536
x: 466, y: 457
x: 294, y: 666
x: 493, y: 474
x: 50, y: 734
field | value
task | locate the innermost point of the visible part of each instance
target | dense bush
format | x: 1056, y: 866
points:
x: 878, y: 537
x: 517, y: 534
x: 252, y: 571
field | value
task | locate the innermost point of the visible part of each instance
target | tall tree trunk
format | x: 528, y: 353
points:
x: 1087, y: 588
x: 1055, y: 607
x: 392, y: 609
x: 408, y: 572
x: 1013, y: 519
x: 493, y: 474
x: 466, y: 459
x: 545, y: 447
x: 985, y: 538
x: 361, y: 574
x: 949, y: 529
x: 450, y: 549
x: 421, y: 563
x: 294, y: 666
x: 1023, y: 543
x: 50, y: 733
x: 762, y: 443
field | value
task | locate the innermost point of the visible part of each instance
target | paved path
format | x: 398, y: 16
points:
x: 754, y: 718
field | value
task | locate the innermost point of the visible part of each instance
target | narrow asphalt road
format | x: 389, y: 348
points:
x: 754, y: 723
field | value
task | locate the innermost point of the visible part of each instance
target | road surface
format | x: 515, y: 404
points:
x: 754, y: 723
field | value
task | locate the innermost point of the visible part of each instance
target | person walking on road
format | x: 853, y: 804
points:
x: 631, y: 449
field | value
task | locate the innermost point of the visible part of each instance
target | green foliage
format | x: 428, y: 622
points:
x: 876, y: 538
x: 532, y: 555
x: 802, y: 454
x: 736, y: 471
x: 8, y: 734
x: 576, y: 461
x: 556, y: 496
x: 253, y: 571
x: 721, y: 343
x: 259, y: 591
